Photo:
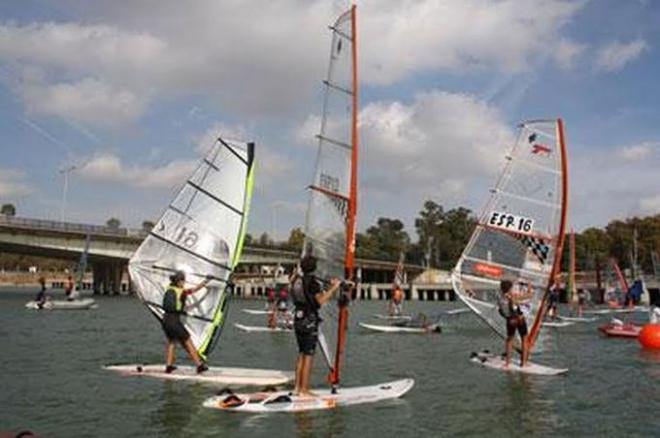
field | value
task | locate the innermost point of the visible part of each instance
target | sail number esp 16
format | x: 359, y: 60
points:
x: 510, y: 222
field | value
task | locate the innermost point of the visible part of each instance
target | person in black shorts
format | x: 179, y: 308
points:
x: 308, y: 299
x: 509, y: 308
x: 174, y: 303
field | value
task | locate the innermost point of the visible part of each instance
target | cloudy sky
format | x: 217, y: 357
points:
x: 132, y: 92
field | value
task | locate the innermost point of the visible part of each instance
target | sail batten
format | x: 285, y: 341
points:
x: 520, y: 232
x: 201, y: 232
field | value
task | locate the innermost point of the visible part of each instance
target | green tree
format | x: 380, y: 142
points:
x: 8, y: 210
x: 386, y: 239
x: 113, y: 223
x: 296, y: 239
x: 265, y: 240
x: 148, y: 225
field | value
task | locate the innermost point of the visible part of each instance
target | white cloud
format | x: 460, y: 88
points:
x: 566, y: 52
x: 12, y: 183
x: 616, y: 55
x: 89, y: 101
x: 440, y: 141
x: 638, y: 152
x: 615, y: 183
x: 261, y: 57
x: 109, y: 168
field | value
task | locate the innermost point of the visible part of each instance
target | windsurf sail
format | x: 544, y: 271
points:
x: 520, y: 233
x: 201, y: 233
x: 399, y: 273
x: 80, y: 270
x: 330, y: 222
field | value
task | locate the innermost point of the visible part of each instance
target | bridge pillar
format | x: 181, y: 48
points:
x: 97, y: 273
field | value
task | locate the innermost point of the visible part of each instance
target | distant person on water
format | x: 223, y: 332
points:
x: 510, y: 308
x: 41, y: 295
x: 68, y: 288
x: 308, y: 297
x: 396, y: 302
x: 174, y: 304
x: 582, y: 298
x: 553, y: 301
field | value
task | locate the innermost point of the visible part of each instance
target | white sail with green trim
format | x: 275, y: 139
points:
x: 201, y: 233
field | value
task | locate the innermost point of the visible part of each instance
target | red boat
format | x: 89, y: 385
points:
x: 626, y: 330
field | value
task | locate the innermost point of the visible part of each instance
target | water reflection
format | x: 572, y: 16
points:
x: 529, y: 411
x: 174, y: 413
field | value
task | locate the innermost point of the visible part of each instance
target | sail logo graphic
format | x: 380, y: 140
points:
x: 510, y: 222
x: 488, y: 270
x: 538, y: 148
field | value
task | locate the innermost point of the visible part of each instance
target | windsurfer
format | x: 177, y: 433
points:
x: 41, y: 296
x: 396, y: 301
x: 553, y: 300
x: 174, y: 302
x: 510, y: 304
x: 69, y: 288
x: 308, y: 298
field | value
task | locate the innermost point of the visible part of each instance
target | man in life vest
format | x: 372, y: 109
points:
x: 510, y: 308
x: 396, y: 303
x: 174, y: 304
x: 308, y: 297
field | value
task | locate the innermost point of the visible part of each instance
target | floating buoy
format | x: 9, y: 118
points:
x: 649, y: 337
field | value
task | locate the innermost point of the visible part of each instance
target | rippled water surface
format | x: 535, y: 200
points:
x: 51, y: 379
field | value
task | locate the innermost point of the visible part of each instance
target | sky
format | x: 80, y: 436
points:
x: 132, y: 93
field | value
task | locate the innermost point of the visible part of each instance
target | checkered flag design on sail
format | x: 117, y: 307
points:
x: 537, y: 245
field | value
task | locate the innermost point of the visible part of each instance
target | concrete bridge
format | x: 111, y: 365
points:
x: 111, y: 248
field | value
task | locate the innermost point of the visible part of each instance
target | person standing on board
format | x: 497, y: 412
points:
x: 68, y: 288
x: 174, y: 303
x: 41, y: 295
x: 510, y: 308
x: 308, y: 298
x: 553, y: 300
x: 396, y: 301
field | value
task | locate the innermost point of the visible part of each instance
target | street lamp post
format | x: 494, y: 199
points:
x: 65, y: 171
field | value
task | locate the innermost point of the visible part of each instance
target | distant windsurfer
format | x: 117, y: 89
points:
x: 396, y: 302
x: 308, y: 298
x: 68, y: 288
x: 553, y: 301
x: 510, y: 307
x: 41, y: 295
x: 174, y: 303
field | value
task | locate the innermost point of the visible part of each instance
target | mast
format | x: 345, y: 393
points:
x: 349, y: 258
x: 559, y: 239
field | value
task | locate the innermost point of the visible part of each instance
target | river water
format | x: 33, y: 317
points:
x: 51, y: 380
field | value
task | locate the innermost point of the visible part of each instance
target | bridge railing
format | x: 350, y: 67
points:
x: 69, y: 227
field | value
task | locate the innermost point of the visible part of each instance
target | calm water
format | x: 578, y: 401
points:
x: 51, y: 380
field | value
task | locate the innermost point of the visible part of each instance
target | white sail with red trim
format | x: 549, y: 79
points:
x: 520, y: 233
x: 330, y: 222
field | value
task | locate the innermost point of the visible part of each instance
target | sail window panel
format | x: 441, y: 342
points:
x: 539, y: 145
x: 337, y: 124
x: 204, y: 240
x: 225, y: 171
x: 218, y: 218
x: 533, y: 184
x: 333, y: 170
x: 341, y: 55
x: 326, y: 234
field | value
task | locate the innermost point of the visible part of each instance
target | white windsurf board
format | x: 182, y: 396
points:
x: 433, y: 328
x: 215, y: 375
x: 284, y: 401
x: 261, y: 329
x: 496, y: 362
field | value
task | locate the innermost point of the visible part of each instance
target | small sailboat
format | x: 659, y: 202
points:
x: 519, y: 237
x: 201, y: 233
x: 330, y: 237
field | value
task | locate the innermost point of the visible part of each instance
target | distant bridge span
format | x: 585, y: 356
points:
x: 111, y: 248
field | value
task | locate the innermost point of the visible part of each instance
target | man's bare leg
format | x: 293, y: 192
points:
x: 299, y: 366
x: 307, y: 362
x: 190, y: 348
x: 523, y: 352
x: 170, y: 354
x: 507, y: 350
